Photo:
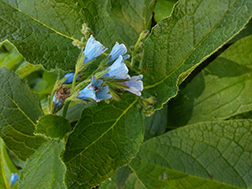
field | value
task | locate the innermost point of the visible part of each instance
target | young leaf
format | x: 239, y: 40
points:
x: 106, y: 137
x: 163, y: 8
x: 221, y: 90
x: 203, y: 155
x: 53, y: 126
x: 193, y: 32
x: 44, y: 169
x: 19, y: 111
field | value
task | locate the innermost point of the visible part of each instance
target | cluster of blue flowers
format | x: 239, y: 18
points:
x: 97, y: 89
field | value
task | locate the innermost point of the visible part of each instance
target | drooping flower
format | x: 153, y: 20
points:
x: 87, y: 92
x: 14, y: 178
x: 60, y: 96
x: 135, y: 85
x: 118, y: 69
x: 101, y: 90
x: 93, y: 49
x: 117, y: 50
x: 95, y: 90
x: 70, y: 77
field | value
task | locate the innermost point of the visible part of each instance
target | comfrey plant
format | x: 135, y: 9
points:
x: 106, y: 82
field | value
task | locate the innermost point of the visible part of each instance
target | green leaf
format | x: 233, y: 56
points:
x: 219, y: 91
x: 163, y: 8
x: 178, y: 43
x: 118, y: 179
x: 133, y: 182
x: 19, y: 111
x: 106, y: 137
x: 27, y: 69
x: 53, y: 126
x: 3, y: 177
x: 156, y: 123
x: 130, y: 17
x: 44, y: 169
x: 189, y: 157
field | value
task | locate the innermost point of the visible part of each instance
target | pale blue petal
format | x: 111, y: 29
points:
x: 96, y: 82
x: 87, y: 92
x: 135, y: 85
x: 14, y: 178
x: 93, y: 49
x: 118, y: 69
x: 117, y: 50
x: 103, y: 93
x: 70, y: 77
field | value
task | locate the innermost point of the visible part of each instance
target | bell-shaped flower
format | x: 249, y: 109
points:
x: 118, y: 70
x: 93, y: 49
x: 135, y: 85
x: 101, y: 91
x: 14, y: 178
x: 117, y: 50
x: 87, y: 92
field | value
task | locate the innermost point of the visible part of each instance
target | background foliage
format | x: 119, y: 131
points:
x: 196, y: 63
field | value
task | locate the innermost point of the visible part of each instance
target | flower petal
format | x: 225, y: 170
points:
x: 135, y: 85
x: 118, y: 69
x: 87, y: 92
x: 93, y: 49
x: 14, y: 178
x: 103, y: 93
x: 117, y: 50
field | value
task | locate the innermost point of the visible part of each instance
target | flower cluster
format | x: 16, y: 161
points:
x: 99, y: 88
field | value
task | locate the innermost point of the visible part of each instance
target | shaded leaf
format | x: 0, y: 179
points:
x: 191, y: 156
x: 156, y: 123
x: 19, y: 111
x: 179, y: 43
x: 53, y: 126
x: 106, y: 137
x: 221, y: 90
x: 133, y: 182
x: 3, y: 176
x: 44, y: 169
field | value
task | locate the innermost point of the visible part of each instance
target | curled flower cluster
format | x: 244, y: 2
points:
x: 98, y: 89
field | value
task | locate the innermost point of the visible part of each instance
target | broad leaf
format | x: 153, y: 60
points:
x: 219, y: 91
x: 163, y: 8
x: 179, y: 43
x: 19, y: 111
x: 133, y: 182
x: 53, y: 126
x: 130, y: 17
x: 3, y: 176
x: 156, y: 123
x: 106, y: 137
x: 203, y: 155
x: 44, y: 169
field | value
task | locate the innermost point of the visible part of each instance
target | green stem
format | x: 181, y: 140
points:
x: 65, y: 108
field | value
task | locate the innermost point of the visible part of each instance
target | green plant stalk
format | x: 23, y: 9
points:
x: 65, y: 108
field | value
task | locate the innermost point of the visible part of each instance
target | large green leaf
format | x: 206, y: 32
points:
x: 44, y: 169
x: 19, y: 110
x: 203, y: 155
x: 219, y: 91
x: 178, y: 43
x: 53, y: 126
x: 106, y: 137
x: 130, y: 17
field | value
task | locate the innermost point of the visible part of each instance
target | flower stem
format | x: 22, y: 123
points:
x: 65, y: 108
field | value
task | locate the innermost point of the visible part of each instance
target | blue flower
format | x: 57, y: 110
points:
x: 118, y: 70
x: 14, y: 178
x: 93, y: 49
x: 70, y: 77
x: 101, y: 91
x: 87, y: 92
x: 135, y: 85
x: 117, y: 50
x: 95, y: 90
